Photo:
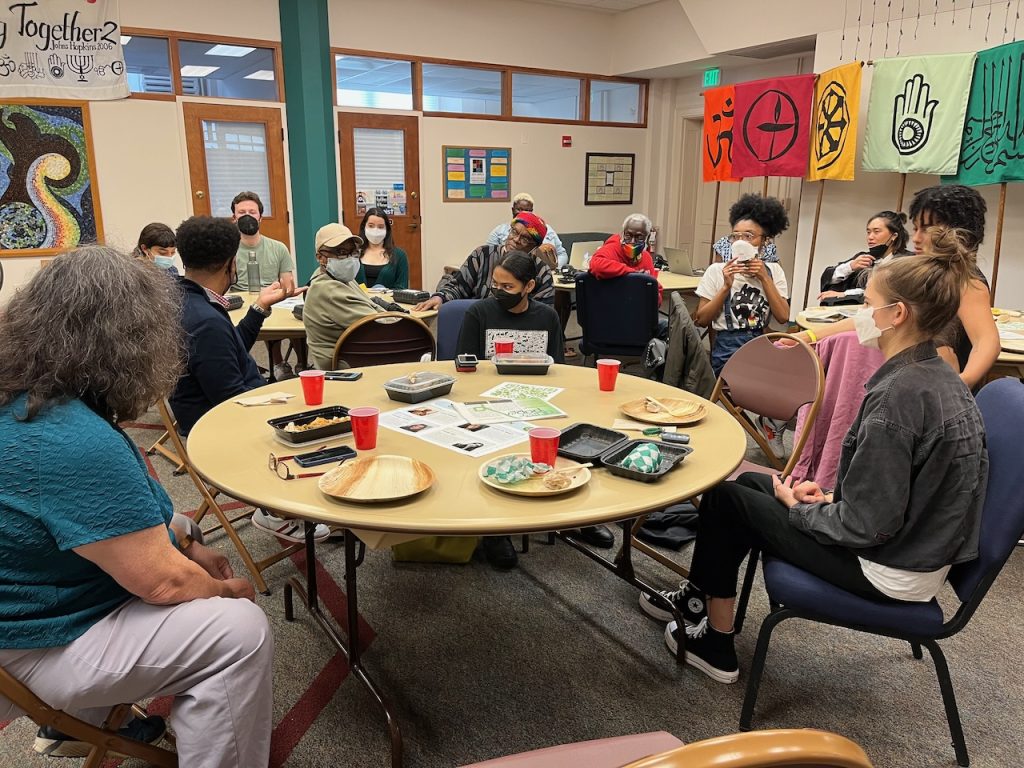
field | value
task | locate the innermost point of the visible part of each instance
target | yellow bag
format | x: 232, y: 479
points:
x: 436, y: 549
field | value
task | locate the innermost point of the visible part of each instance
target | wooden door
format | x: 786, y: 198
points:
x: 233, y: 149
x: 380, y: 167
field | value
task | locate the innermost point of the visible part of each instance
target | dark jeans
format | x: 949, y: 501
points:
x: 738, y: 516
x: 727, y: 342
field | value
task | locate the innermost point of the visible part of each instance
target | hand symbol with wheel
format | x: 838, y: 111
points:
x: 912, y: 115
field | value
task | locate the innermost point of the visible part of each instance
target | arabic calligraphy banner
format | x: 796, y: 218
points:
x: 773, y: 123
x: 719, y: 110
x: 834, y: 128
x: 916, y: 113
x: 62, y: 49
x: 992, y: 148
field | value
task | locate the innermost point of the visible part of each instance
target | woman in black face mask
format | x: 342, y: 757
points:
x: 509, y: 312
x: 887, y: 237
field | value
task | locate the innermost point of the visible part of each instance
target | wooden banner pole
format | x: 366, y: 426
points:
x: 714, y: 222
x: 903, y: 189
x: 814, y: 242
x: 764, y: 190
x: 999, y: 240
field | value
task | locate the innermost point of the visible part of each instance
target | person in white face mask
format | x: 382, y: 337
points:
x: 157, y: 244
x: 381, y: 262
x: 334, y: 300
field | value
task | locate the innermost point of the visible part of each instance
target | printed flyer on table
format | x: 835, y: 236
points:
x: 439, y: 423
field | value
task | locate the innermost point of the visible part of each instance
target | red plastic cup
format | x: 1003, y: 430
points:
x: 504, y: 346
x: 544, y: 445
x: 607, y: 372
x: 364, y: 427
x: 312, y: 386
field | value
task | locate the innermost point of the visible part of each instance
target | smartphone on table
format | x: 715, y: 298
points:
x: 343, y: 375
x: 325, y: 456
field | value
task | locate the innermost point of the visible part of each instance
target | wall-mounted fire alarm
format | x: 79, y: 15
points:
x: 567, y: 141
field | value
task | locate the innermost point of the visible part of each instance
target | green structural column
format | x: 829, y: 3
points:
x: 309, y: 99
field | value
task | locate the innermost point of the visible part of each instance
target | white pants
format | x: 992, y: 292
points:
x: 214, y: 656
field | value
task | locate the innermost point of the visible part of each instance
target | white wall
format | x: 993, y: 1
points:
x: 540, y: 165
x: 846, y: 206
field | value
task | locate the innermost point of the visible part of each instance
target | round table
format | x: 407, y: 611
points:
x: 229, y: 447
x: 282, y: 324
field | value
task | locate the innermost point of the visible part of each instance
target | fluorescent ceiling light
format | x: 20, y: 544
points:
x: 260, y: 74
x: 191, y: 70
x: 125, y: 39
x: 230, y: 50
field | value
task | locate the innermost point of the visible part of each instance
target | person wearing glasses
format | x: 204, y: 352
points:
x: 551, y: 250
x: 334, y: 300
x: 107, y: 595
x: 626, y: 253
x: 738, y: 297
x: 473, y: 279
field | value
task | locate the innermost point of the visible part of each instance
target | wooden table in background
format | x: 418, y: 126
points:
x: 229, y: 447
x: 669, y: 282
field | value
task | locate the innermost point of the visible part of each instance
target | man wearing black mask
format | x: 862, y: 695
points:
x: 275, y: 261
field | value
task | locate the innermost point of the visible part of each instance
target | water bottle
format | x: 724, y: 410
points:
x: 586, y: 261
x: 252, y: 273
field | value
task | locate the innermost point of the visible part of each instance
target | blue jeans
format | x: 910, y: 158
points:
x: 727, y: 342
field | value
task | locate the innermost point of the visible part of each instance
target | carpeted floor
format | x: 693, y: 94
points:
x: 481, y: 664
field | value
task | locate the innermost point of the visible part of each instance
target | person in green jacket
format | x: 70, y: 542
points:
x: 334, y: 300
x: 381, y: 263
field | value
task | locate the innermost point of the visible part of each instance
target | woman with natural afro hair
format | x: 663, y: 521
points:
x: 738, y: 296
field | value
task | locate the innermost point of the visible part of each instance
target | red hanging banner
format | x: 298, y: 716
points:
x: 772, y: 126
x: 719, y: 107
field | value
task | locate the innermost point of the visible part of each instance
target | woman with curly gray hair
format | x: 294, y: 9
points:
x: 104, y: 595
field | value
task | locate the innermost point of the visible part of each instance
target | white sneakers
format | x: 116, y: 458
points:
x: 285, y: 528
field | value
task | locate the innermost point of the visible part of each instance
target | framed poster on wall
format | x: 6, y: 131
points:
x: 609, y: 179
x: 48, y: 196
x: 476, y: 174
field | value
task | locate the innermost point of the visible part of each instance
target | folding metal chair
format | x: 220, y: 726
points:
x: 210, y: 505
x: 388, y: 337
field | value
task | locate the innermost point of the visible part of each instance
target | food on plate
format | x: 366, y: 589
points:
x: 557, y: 481
x: 316, y: 423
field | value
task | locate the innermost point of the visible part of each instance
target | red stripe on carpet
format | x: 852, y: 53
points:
x: 294, y: 725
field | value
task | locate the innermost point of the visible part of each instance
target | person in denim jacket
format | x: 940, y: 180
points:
x: 911, y: 481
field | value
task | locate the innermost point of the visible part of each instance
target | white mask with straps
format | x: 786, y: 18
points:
x: 868, y: 333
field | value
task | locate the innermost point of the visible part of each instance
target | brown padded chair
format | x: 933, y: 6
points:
x: 387, y: 337
x: 769, y: 381
x: 757, y: 749
x: 225, y: 523
x: 104, y: 738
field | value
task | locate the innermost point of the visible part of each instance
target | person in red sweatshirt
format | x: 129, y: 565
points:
x: 626, y: 253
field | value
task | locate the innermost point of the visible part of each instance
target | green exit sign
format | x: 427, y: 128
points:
x: 712, y: 77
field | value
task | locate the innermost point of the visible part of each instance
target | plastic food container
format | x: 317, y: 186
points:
x: 427, y: 386
x: 523, y: 363
x: 305, y: 417
x: 671, y: 455
x: 586, y: 442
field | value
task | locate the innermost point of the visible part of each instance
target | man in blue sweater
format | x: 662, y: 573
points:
x: 219, y: 365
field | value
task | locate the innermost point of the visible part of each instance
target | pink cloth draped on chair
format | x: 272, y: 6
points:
x: 848, y: 365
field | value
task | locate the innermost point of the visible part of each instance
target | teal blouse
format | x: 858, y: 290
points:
x: 393, y: 275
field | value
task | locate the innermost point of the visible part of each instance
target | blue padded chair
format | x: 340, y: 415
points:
x: 794, y: 593
x: 618, y: 316
x: 449, y: 324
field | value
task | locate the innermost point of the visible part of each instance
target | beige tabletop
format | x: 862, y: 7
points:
x: 805, y: 318
x: 282, y: 324
x: 1014, y: 346
x: 669, y: 282
x: 230, y: 445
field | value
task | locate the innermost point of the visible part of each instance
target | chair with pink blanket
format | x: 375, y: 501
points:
x: 848, y: 365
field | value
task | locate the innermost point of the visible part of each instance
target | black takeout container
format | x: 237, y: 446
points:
x: 671, y: 455
x: 586, y: 442
x: 309, y: 435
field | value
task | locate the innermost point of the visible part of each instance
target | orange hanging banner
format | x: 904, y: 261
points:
x: 719, y: 110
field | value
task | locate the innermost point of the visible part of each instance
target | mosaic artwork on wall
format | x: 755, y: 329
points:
x: 48, y: 199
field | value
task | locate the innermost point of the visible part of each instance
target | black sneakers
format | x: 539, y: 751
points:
x: 707, y: 649
x: 53, y: 743
x: 688, y: 599
x: 499, y: 552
